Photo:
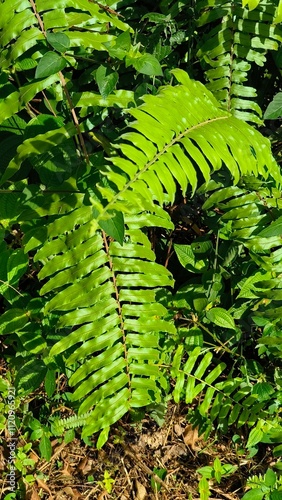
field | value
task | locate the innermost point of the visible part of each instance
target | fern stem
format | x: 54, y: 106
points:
x: 49, y: 104
x: 37, y: 15
x: 74, y: 117
x: 119, y: 306
x: 12, y: 287
x: 216, y: 339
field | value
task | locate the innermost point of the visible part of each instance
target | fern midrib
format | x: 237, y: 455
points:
x: 119, y: 307
x: 151, y: 162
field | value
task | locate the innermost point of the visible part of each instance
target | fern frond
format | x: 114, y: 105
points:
x: 181, y: 135
x: 242, y: 38
x: 61, y: 424
x: 226, y: 402
x: 254, y: 221
x: 108, y: 293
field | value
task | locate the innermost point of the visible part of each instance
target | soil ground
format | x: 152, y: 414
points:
x: 124, y: 469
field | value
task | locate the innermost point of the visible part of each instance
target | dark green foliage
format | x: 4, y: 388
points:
x: 117, y: 132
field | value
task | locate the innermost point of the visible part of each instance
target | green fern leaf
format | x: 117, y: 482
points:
x: 242, y: 38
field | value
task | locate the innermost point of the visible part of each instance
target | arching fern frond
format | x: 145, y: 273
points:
x: 231, y: 47
x: 181, y: 136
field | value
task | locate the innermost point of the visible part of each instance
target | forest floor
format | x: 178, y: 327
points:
x: 143, y: 461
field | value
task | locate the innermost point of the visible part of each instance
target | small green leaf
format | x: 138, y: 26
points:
x: 59, y: 41
x: 37, y: 434
x: 50, y: 64
x: 45, y: 448
x: 147, y: 65
x: 274, y: 229
x: 270, y: 478
x: 155, y: 17
x: 255, y: 437
x: 229, y: 469
x: 278, y: 17
x: 50, y: 382
x: 185, y: 255
x: 157, y: 412
x: 187, y: 258
x: 252, y: 4
x: 114, y: 227
x: 30, y: 376
x: 69, y: 436
x: 274, y: 109
x: 3, y: 385
x: 256, y: 494
x: 277, y: 451
x: 12, y: 320
x: 121, y: 47
x: 161, y: 473
x: 221, y: 317
x: 16, y: 267
x: 103, y: 438
x: 275, y: 495
x: 106, y: 80
x: 204, y: 489
x: 206, y: 471
x: 263, y: 391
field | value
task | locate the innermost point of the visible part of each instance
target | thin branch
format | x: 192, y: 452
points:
x: 74, y: 117
x: 40, y: 22
x: 64, y: 85
x: 48, y: 102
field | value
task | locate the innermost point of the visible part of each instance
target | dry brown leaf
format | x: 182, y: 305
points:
x: 176, y: 450
x: 66, y: 471
x: 60, y: 495
x: 178, y: 430
x: 34, y: 456
x: 72, y: 492
x: 2, y: 459
x: 34, y: 495
x: 103, y: 495
x: 141, y: 492
x: 153, y: 441
x: 85, y: 466
x: 191, y: 437
x: 43, y: 485
x: 82, y: 464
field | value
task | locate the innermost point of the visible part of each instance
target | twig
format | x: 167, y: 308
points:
x: 169, y: 252
x: 74, y: 117
x: 106, y: 8
x: 128, y: 451
x: 48, y: 102
x: 10, y: 286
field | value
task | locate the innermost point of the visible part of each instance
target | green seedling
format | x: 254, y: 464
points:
x: 213, y: 473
